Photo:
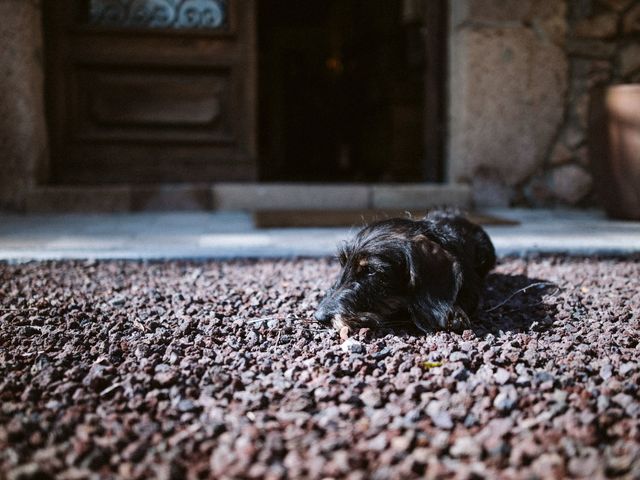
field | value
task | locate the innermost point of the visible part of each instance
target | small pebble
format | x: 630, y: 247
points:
x: 350, y: 345
x: 506, y: 399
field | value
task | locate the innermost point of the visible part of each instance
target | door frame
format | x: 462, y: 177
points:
x: 436, y: 75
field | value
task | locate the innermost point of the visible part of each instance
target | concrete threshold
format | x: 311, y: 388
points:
x: 243, y: 197
x: 223, y: 235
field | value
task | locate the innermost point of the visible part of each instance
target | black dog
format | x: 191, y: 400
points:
x: 428, y: 272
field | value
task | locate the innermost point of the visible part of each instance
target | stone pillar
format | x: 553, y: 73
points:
x: 508, y: 85
x: 23, y: 134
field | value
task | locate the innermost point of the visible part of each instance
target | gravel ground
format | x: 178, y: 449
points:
x: 212, y: 369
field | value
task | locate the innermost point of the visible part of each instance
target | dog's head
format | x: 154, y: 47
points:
x: 393, y: 273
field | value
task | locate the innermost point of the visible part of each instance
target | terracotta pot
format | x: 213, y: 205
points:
x: 614, y: 149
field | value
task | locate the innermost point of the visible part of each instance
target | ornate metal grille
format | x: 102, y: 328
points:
x: 194, y: 14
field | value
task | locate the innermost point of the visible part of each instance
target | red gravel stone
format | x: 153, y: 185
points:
x: 215, y: 369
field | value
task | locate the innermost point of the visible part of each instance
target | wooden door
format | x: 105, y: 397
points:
x: 146, y: 91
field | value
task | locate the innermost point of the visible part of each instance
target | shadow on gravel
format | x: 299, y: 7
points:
x: 515, y: 303
x: 509, y: 303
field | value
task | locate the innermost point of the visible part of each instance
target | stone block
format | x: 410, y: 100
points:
x: 591, y: 48
x: 580, y: 109
x: 629, y: 59
x: 582, y: 156
x: 79, y: 199
x: 171, y: 197
x: 552, y: 27
x: 420, y: 196
x: 600, y: 26
x: 631, y: 22
x: 571, y: 183
x: 491, y: 191
x: 23, y: 136
x: 538, y: 191
x: 289, y: 196
x: 548, y: 17
x: 494, y: 12
x: 599, y: 73
x: 618, y: 5
x: 573, y: 136
x: 508, y: 96
x: 560, y: 155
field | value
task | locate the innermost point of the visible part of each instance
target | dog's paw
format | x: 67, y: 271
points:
x: 457, y: 320
x: 441, y: 316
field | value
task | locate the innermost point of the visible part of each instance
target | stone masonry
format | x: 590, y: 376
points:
x: 522, y: 72
x: 603, y: 48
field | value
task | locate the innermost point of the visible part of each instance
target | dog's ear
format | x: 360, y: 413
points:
x: 435, y: 279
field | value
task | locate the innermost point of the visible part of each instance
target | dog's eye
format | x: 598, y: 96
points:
x: 368, y: 270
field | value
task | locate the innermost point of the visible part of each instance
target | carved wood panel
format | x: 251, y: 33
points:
x: 136, y: 103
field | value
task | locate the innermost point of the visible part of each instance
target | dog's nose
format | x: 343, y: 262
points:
x: 322, y: 316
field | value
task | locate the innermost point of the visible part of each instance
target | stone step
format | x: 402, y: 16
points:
x: 245, y: 197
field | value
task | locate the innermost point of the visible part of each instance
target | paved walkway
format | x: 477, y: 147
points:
x: 229, y: 235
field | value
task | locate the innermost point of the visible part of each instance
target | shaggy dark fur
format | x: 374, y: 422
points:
x: 428, y: 272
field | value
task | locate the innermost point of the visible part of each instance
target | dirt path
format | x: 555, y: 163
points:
x: 174, y: 370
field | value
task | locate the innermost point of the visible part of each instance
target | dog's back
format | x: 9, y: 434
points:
x: 455, y: 232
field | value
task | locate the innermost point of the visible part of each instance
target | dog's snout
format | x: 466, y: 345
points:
x: 322, y: 315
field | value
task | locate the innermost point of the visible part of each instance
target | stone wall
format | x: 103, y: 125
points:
x: 602, y: 47
x: 23, y: 138
x: 521, y: 76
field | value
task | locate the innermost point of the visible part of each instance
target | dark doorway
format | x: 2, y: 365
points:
x: 351, y: 90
